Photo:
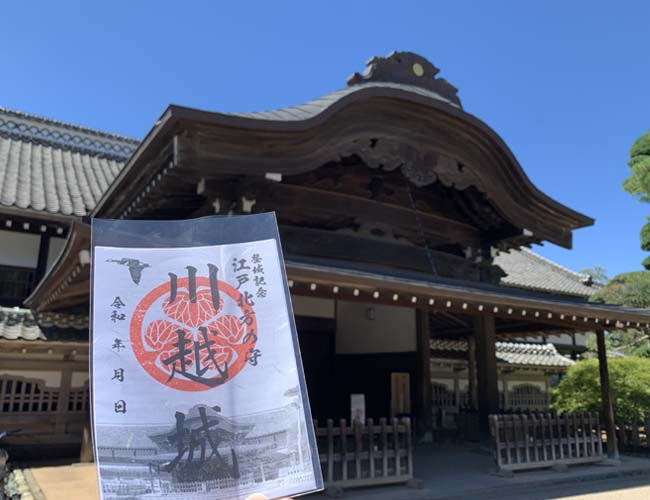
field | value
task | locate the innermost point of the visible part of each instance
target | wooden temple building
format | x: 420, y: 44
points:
x: 400, y: 215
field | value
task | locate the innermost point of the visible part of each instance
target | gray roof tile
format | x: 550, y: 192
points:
x: 320, y: 104
x: 513, y: 353
x: 528, y: 270
x: 56, y: 167
x: 22, y: 324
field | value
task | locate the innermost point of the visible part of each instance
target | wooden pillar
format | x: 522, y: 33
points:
x: 425, y: 392
x: 471, y: 372
x: 64, y: 398
x: 574, y: 348
x: 86, y: 454
x: 608, y: 409
x: 486, y: 364
x: 547, y: 392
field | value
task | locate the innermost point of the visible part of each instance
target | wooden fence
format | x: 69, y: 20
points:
x: 545, y: 440
x: 634, y: 436
x: 365, y: 455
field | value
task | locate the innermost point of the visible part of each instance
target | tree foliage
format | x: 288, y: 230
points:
x: 630, y: 387
x: 621, y: 343
x: 631, y: 290
x: 638, y: 183
x: 627, y: 289
x: 598, y: 274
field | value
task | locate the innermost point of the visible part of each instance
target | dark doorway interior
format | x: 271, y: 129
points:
x: 317, y: 347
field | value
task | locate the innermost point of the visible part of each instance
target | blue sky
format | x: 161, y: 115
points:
x: 566, y: 84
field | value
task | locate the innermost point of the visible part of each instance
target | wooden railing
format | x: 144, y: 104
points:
x: 44, y: 414
x: 545, y: 440
x: 365, y: 455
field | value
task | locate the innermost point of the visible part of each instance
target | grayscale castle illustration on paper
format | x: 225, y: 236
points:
x: 203, y: 451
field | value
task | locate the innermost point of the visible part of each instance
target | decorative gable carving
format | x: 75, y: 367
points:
x: 422, y: 166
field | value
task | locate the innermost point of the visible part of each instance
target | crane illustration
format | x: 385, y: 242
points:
x: 135, y: 267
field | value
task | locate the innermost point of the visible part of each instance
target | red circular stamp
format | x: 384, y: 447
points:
x: 182, y: 337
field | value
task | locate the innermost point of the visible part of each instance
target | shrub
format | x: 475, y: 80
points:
x: 629, y: 380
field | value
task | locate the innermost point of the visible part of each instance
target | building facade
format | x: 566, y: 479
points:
x: 404, y: 223
x: 51, y: 175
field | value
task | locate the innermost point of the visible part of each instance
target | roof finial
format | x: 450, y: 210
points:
x: 407, y: 68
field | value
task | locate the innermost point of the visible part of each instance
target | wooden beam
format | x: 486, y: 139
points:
x: 274, y: 196
x: 505, y: 329
x: 575, y: 316
x: 608, y: 409
x: 43, y: 252
x: 486, y: 363
x: 387, y: 251
x: 67, y: 301
x: 25, y: 362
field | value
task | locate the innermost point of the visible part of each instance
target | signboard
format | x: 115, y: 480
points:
x: 400, y: 390
x: 197, y: 382
x: 358, y: 408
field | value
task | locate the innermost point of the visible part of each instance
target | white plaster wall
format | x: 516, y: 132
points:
x: 56, y: 246
x: 513, y: 384
x: 78, y: 379
x: 561, y: 339
x: 447, y: 382
x: 439, y: 368
x: 529, y: 338
x: 19, y: 249
x: 565, y: 339
x: 315, y: 307
x: 52, y: 378
x: 581, y: 339
x: 391, y: 330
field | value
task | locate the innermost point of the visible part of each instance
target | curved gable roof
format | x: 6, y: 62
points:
x: 424, y: 133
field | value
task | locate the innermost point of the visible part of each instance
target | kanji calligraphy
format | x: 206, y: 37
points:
x: 197, y: 387
x: 197, y: 345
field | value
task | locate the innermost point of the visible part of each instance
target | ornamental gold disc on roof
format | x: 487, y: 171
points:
x: 406, y: 68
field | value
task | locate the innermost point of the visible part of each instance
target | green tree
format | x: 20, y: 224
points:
x: 627, y: 289
x: 621, y: 343
x: 630, y: 385
x: 638, y: 183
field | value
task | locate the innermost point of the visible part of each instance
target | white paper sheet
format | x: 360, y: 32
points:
x: 196, y: 388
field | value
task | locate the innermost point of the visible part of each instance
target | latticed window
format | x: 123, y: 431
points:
x: 20, y: 395
x: 23, y: 395
x: 78, y: 400
x: 528, y: 396
x: 465, y: 399
x: 15, y: 284
x: 442, y: 397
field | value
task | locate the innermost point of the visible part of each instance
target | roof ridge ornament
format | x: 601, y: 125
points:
x: 407, y: 68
